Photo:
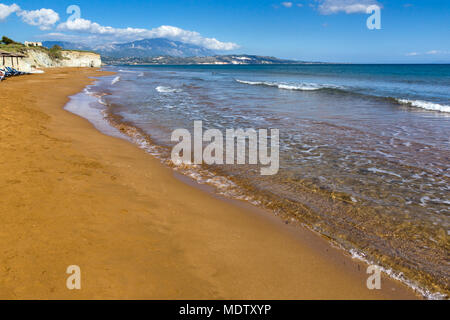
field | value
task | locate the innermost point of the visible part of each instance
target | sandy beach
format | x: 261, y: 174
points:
x: 70, y: 195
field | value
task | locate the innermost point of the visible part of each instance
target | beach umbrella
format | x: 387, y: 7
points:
x: 12, y: 55
x: 4, y: 54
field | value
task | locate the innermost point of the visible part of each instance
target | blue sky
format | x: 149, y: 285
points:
x: 412, y: 31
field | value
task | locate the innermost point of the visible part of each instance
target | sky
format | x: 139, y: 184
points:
x: 410, y: 31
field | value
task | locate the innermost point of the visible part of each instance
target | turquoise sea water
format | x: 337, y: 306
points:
x: 364, y: 149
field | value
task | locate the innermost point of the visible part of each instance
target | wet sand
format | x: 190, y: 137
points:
x: 70, y: 195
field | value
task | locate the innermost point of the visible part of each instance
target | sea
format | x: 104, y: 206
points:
x: 364, y: 149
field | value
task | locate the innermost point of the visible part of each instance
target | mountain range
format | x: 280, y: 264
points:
x: 139, y: 49
x: 165, y: 51
x: 235, y: 59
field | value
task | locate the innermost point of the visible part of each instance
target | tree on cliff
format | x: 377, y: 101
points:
x: 55, y: 52
x: 7, y: 40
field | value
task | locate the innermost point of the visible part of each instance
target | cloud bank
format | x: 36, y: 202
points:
x: 130, y: 34
x: 46, y: 19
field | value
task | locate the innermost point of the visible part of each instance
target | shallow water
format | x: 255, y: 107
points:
x: 364, y: 149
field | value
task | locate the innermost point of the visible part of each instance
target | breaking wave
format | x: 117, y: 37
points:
x: 284, y: 86
x: 115, y: 80
x: 163, y: 89
x: 425, y: 105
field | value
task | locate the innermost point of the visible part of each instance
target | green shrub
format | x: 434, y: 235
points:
x: 55, y: 52
x: 7, y: 40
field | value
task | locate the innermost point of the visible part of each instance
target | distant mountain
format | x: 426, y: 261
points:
x: 232, y: 59
x: 153, y: 48
x: 140, y: 49
x: 66, y: 45
x: 165, y: 51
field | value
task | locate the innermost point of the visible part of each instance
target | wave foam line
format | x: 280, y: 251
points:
x: 425, y: 105
x: 115, y: 80
x: 298, y: 87
x: 163, y: 89
x: 399, y: 277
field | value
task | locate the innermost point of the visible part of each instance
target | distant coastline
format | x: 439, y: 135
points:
x: 162, y: 51
x: 242, y: 59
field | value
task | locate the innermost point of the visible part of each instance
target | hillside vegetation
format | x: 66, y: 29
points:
x: 42, y: 57
x: 55, y: 52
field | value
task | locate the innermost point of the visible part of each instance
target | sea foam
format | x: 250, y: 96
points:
x: 284, y: 86
x: 163, y: 89
x: 425, y: 105
x: 115, y: 80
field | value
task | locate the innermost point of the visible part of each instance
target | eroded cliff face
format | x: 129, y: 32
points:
x: 39, y: 59
x: 81, y: 59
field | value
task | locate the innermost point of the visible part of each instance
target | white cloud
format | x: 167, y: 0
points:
x: 347, y: 6
x: 86, y: 39
x: 42, y: 18
x: 443, y: 52
x: 431, y: 52
x: 286, y: 4
x: 130, y: 34
x: 6, y: 10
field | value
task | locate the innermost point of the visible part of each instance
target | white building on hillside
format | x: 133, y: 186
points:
x: 33, y: 44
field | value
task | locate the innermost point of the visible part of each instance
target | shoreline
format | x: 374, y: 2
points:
x: 226, y: 186
x: 76, y: 196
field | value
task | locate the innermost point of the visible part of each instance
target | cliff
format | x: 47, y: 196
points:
x: 39, y: 58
